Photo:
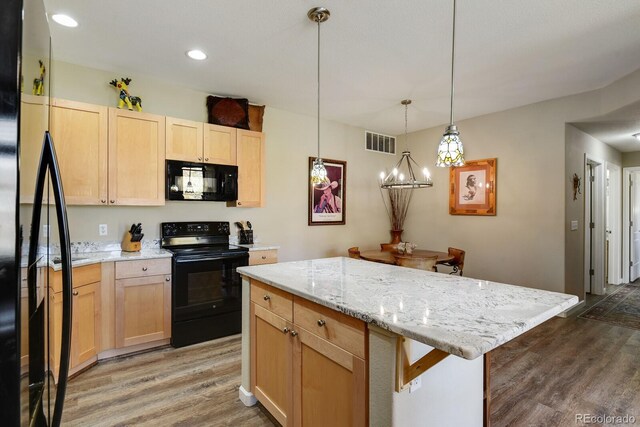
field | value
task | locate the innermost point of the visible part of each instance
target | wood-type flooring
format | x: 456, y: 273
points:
x: 545, y: 377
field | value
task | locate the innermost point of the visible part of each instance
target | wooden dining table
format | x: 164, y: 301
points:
x: 387, y: 257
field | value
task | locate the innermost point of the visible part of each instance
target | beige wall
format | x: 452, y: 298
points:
x: 578, y: 143
x: 631, y: 159
x: 290, y: 140
x: 525, y: 243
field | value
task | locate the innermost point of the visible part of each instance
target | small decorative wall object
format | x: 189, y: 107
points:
x: 233, y: 112
x: 577, y: 181
x: 327, y: 200
x: 473, y: 188
x: 38, y: 83
x: 122, y: 86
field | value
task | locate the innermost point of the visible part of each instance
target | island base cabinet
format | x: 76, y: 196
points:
x: 143, y: 310
x: 300, y: 377
x: 329, y: 384
x: 271, y: 363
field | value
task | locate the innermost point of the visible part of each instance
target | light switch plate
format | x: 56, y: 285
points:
x: 574, y: 225
x: 415, y: 384
x: 102, y: 229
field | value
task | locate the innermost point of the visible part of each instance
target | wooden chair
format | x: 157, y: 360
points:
x: 457, y: 263
x: 428, y: 263
x: 354, y: 252
x: 389, y: 247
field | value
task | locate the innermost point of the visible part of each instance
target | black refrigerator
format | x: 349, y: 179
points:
x: 33, y: 224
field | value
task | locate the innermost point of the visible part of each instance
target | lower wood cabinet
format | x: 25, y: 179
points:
x: 142, y: 302
x: 301, y: 377
x: 85, y: 319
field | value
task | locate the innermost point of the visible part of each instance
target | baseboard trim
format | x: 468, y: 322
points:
x: 246, y: 397
x: 571, y: 311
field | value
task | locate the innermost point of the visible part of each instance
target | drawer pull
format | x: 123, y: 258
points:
x: 144, y: 269
x: 75, y: 293
x: 285, y: 330
x: 266, y: 297
x: 294, y: 333
x: 321, y: 322
x: 213, y: 306
x: 264, y: 257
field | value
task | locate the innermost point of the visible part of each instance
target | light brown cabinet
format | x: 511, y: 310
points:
x: 308, y: 363
x: 267, y: 256
x: 79, y: 133
x: 200, y: 142
x: 251, y: 164
x: 85, y: 318
x: 34, y: 121
x: 136, y: 158
x: 142, y: 301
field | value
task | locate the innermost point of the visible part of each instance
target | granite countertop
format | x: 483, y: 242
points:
x: 259, y: 246
x: 87, y: 258
x: 460, y: 315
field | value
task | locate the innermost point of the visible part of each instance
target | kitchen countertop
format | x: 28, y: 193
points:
x: 87, y: 258
x: 459, y: 315
x: 259, y: 247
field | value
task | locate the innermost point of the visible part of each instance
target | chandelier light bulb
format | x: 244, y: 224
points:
x: 382, y: 175
x: 425, y: 172
x: 401, y: 177
x: 395, y: 172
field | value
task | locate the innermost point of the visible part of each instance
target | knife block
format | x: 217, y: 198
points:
x: 246, y: 237
x: 127, y: 245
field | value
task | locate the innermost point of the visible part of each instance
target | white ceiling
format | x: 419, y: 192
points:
x: 616, y: 128
x: 374, y: 53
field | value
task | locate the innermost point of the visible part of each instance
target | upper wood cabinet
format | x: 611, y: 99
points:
x: 136, y: 158
x: 184, y: 140
x: 219, y: 145
x: 33, y: 124
x: 251, y: 161
x: 79, y: 133
x: 200, y: 142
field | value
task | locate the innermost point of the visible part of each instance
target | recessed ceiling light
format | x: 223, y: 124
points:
x: 197, y: 54
x: 636, y: 136
x: 65, y: 20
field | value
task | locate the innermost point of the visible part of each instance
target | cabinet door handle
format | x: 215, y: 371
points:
x: 239, y: 203
x: 206, y: 159
x: 321, y: 323
x: 104, y: 200
x: 199, y: 158
x: 266, y: 297
x: 168, y: 279
x: 285, y: 330
x: 294, y: 333
x: 75, y: 293
x: 144, y: 268
x: 113, y: 201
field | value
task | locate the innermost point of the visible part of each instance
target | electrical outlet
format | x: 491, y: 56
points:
x: 45, y: 230
x: 415, y: 384
x: 102, y: 229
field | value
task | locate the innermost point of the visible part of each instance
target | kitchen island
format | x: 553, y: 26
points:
x: 382, y: 345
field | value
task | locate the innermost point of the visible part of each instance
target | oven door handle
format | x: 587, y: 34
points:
x: 213, y: 258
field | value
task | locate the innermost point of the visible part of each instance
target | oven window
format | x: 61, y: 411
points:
x: 204, y: 287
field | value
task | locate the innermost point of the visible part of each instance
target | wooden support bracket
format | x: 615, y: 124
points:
x: 406, y: 372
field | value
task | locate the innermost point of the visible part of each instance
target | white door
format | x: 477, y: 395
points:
x: 634, y: 206
x: 608, y: 220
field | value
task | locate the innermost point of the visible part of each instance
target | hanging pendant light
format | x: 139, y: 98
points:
x: 403, y: 176
x: 318, y: 171
x: 450, y: 151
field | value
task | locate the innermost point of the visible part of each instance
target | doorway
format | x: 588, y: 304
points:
x: 594, y: 227
x: 613, y: 229
x: 631, y: 221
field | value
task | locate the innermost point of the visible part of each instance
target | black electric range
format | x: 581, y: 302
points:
x: 206, y: 290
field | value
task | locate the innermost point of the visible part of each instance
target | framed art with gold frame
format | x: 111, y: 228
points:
x: 472, y: 188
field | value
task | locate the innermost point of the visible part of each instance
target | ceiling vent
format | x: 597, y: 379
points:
x: 380, y: 143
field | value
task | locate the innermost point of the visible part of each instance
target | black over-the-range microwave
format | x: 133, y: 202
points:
x: 201, y: 181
